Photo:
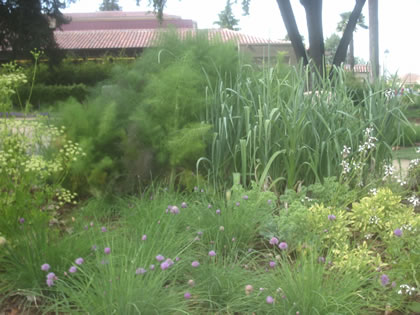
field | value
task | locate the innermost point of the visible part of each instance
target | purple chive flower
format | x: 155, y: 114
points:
x: 321, y: 260
x: 144, y: 237
x: 384, y: 279
x: 195, y: 264
x: 177, y: 258
x: 79, y: 261
x: 283, y: 246
x: 274, y: 241
x: 269, y: 201
x: 174, y: 210
x: 169, y: 261
x: 164, y: 265
x: 238, y: 203
x: 272, y: 264
x: 200, y: 233
x: 51, y: 275
x: 21, y: 220
x: 393, y: 284
x: 50, y: 282
x: 103, y: 229
x: 140, y: 271
x: 183, y: 205
x: 397, y: 232
x: 245, y: 197
x: 218, y: 211
x: 212, y: 253
x: 152, y: 267
x: 73, y: 269
x: 269, y: 299
x: 160, y: 258
x: 45, y: 267
x: 209, y: 206
x: 187, y: 295
x: 331, y: 217
x: 107, y: 250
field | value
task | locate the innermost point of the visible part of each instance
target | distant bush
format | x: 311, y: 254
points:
x: 46, y: 95
x: 72, y: 72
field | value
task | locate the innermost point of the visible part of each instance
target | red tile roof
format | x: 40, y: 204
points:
x: 119, y: 20
x: 359, y: 68
x: 139, y: 38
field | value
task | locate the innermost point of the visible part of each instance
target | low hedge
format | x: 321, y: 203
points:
x: 47, y: 95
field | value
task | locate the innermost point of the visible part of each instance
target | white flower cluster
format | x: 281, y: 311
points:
x: 388, y: 171
x: 414, y: 201
x: 401, y: 182
x: 406, y: 289
x: 346, y: 151
x: 346, y: 167
x: 369, y: 142
x: 413, y: 163
x: 373, y: 191
x: 374, y: 220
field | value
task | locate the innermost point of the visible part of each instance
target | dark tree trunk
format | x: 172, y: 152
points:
x: 351, y: 54
x: 340, y: 54
x: 373, y: 39
x: 292, y: 30
x: 313, y: 9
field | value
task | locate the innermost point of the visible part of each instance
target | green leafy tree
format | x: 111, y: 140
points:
x: 110, y: 5
x: 342, y: 26
x: 331, y: 44
x: 26, y: 25
x: 227, y: 19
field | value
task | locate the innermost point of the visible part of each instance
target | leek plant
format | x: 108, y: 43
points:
x: 270, y: 126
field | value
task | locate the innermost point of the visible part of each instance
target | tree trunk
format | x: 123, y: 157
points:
x: 313, y: 9
x: 351, y: 54
x: 340, y: 54
x: 292, y: 30
x: 373, y: 39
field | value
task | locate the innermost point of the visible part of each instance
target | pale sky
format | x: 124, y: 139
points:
x: 399, y: 23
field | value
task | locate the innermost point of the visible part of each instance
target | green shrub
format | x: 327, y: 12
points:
x: 146, y: 121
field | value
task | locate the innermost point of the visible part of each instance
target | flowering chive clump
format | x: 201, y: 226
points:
x: 245, y: 197
x: 160, y: 258
x: 73, y: 269
x: 144, y: 237
x: 269, y: 299
x: 384, y: 279
x: 187, y: 295
x: 79, y: 261
x: 183, y: 205
x: 50, y: 279
x: 397, y: 232
x: 212, y: 253
x: 195, y: 264
x: 45, y: 267
x: 218, y: 211
x: 107, y: 250
x: 103, y: 229
x: 283, y: 246
x: 331, y: 217
x: 274, y: 241
x: 272, y: 264
x: 140, y: 271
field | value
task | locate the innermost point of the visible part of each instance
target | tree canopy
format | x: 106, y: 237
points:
x: 227, y: 19
x: 110, y: 5
x: 26, y: 25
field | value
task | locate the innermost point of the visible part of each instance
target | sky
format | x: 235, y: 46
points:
x: 399, y: 24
